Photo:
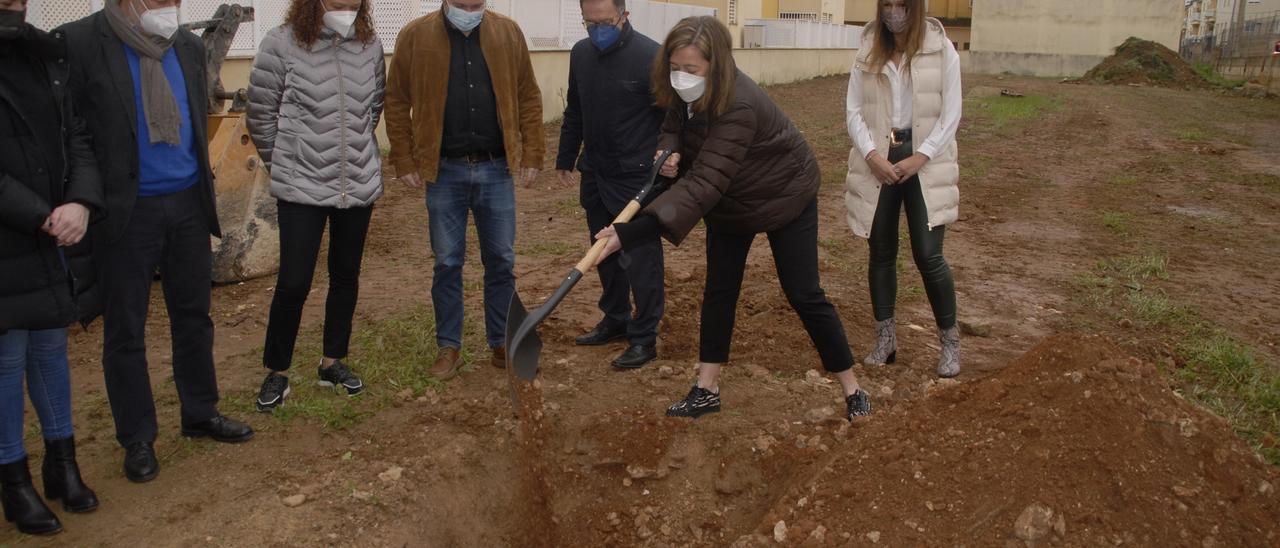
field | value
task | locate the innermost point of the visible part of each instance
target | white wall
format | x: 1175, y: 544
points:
x: 1058, y: 38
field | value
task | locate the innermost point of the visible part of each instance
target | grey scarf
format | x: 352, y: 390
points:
x: 159, y: 106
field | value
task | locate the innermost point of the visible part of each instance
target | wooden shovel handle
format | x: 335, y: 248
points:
x: 589, y: 260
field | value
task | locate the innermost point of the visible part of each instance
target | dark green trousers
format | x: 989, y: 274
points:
x: 926, y: 249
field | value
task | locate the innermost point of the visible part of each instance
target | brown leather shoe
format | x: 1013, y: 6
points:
x: 499, y: 359
x: 448, y: 364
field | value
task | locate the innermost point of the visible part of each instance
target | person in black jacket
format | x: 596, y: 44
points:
x: 49, y: 188
x: 612, y: 117
x: 140, y: 82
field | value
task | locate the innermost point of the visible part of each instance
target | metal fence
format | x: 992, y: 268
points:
x: 547, y: 24
x: 1238, y: 49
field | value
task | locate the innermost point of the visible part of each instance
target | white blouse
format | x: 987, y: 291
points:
x: 900, y: 87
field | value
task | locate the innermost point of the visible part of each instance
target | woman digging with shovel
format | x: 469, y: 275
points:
x: 741, y: 164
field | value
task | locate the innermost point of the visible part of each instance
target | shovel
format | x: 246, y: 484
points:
x: 524, y: 347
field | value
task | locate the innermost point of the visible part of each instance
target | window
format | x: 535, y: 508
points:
x: 798, y: 15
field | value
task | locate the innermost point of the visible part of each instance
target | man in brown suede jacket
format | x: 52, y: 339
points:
x: 463, y: 114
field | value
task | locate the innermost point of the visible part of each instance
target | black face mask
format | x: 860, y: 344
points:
x: 13, y: 24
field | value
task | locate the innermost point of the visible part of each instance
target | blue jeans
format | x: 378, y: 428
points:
x: 42, y: 357
x: 485, y: 189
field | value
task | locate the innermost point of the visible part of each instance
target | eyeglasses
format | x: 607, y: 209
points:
x: 594, y: 24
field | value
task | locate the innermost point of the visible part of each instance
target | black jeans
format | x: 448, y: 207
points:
x: 926, y: 249
x: 637, y: 270
x: 301, y: 228
x: 795, y: 254
x: 169, y: 232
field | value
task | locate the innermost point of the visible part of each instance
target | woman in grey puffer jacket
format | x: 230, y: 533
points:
x: 315, y: 96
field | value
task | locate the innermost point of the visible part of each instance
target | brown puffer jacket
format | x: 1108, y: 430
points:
x: 747, y: 171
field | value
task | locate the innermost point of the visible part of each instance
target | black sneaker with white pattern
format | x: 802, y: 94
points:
x: 699, y: 402
x: 274, y: 390
x: 339, y: 374
x: 858, y: 403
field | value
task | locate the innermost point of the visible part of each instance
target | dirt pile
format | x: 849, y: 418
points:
x: 1144, y: 62
x: 1070, y: 444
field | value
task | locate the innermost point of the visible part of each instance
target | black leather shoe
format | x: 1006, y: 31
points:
x: 62, y: 477
x: 220, y: 428
x: 636, y: 356
x: 601, y: 335
x: 140, y: 464
x: 22, y: 505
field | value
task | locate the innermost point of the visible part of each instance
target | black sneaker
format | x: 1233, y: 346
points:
x: 699, y: 402
x: 274, y: 390
x: 858, y: 404
x: 339, y: 375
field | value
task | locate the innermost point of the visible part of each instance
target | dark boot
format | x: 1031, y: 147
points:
x: 22, y: 505
x: 62, y: 477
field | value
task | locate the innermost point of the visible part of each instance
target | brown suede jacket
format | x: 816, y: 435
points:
x: 418, y: 84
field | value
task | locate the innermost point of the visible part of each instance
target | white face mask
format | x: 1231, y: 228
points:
x: 162, y: 22
x: 689, y: 86
x: 341, y: 22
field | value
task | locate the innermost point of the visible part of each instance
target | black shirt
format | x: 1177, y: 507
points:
x: 470, y: 111
x: 25, y: 81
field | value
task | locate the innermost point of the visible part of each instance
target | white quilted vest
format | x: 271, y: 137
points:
x: 940, y: 176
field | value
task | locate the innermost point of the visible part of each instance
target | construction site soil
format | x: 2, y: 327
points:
x: 1068, y: 425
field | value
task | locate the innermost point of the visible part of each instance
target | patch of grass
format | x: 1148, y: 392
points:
x: 569, y: 206
x: 1220, y: 372
x: 1153, y: 309
x: 390, y: 356
x: 1005, y: 111
x: 833, y: 178
x: 1124, y: 180
x: 974, y: 168
x: 1116, y: 221
x: 1265, y: 180
x: 1227, y: 376
x: 546, y: 249
x: 1218, y: 80
x: 1192, y: 134
x: 1151, y: 265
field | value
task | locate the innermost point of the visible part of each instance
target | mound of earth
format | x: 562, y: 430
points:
x: 1139, y: 61
x: 1071, y: 444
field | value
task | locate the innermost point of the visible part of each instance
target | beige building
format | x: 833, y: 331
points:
x: 956, y: 16
x: 731, y: 12
x: 1058, y: 38
x: 1203, y: 18
x: 823, y: 11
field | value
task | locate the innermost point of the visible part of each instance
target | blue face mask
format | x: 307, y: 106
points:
x: 603, y: 36
x: 465, y: 21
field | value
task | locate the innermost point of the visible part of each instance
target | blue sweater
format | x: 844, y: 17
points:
x: 164, y: 168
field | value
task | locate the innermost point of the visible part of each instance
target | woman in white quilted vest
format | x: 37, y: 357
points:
x: 315, y: 96
x: 902, y: 110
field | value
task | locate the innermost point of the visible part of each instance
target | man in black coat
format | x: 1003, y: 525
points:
x: 140, y: 82
x: 49, y: 189
x: 611, y: 117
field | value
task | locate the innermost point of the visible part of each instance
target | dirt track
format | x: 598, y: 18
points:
x: 1099, y: 439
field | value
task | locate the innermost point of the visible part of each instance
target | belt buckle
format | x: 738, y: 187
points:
x: 893, y: 139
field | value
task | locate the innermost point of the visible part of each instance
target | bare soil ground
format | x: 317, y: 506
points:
x: 1110, y: 237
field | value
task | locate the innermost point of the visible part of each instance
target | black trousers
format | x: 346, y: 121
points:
x: 301, y: 228
x: 169, y: 232
x: 795, y: 254
x: 635, y: 271
x: 926, y: 249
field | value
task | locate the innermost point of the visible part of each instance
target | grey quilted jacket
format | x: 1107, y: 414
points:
x: 312, y: 115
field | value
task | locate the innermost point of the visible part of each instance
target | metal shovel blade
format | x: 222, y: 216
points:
x: 523, y: 344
